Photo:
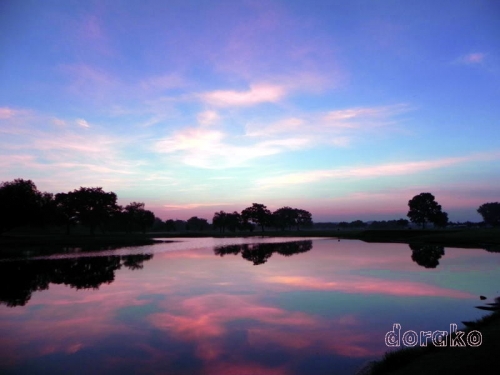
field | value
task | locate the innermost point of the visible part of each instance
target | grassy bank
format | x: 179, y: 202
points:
x: 10, y: 241
x: 488, y: 238
x: 483, y: 359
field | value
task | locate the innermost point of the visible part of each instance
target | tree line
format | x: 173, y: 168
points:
x: 21, y: 204
x: 259, y: 215
x: 424, y: 209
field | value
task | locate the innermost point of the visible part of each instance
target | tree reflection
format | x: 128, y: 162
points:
x: 426, y: 255
x: 19, y: 279
x: 259, y: 253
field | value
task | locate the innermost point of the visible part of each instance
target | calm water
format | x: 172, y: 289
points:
x: 231, y: 306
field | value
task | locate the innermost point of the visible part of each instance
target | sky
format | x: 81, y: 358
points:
x: 344, y: 108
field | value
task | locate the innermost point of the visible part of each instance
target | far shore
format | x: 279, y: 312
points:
x: 485, y: 238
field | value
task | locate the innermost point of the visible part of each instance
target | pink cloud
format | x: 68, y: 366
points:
x: 208, y: 117
x: 6, y: 112
x: 258, y: 93
x: 382, y: 170
x: 204, y: 147
x: 367, y: 285
x: 83, y: 123
x: 202, y: 320
x: 191, y: 206
x: 472, y: 58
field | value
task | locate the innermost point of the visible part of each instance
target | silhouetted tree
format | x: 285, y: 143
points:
x: 257, y: 213
x: 343, y: 224
x: 181, y: 225
x: 195, y: 223
x: 92, y: 206
x: 426, y: 255
x: 219, y: 221
x: 284, y: 217
x: 136, y: 215
x: 304, y: 218
x: 403, y: 222
x: 20, y: 204
x: 67, y: 209
x: 158, y: 225
x: 357, y: 224
x: 170, y: 225
x: 490, y: 213
x: 440, y: 219
x: 424, y: 208
x: 234, y: 221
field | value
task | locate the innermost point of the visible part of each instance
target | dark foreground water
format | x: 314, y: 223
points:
x: 231, y: 306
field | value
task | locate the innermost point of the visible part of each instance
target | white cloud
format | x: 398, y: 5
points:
x: 381, y: 170
x: 259, y: 93
x: 207, y: 118
x: 336, y: 128
x: 58, y: 122
x: 83, y: 123
x: 215, y: 149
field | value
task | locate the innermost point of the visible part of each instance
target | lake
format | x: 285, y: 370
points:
x: 231, y: 306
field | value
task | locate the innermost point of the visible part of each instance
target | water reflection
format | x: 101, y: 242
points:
x: 190, y: 312
x: 259, y: 253
x: 19, y: 279
x: 426, y: 255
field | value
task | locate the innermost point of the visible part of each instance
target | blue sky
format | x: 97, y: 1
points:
x: 346, y: 109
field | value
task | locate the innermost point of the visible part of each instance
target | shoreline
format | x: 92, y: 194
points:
x: 484, y: 238
x: 432, y: 360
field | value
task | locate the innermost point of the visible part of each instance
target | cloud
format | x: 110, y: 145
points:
x: 58, y: 122
x: 6, y: 113
x: 338, y: 128
x: 472, y: 58
x: 347, y: 117
x: 214, y: 148
x: 203, y: 148
x: 381, y: 170
x: 207, y: 118
x: 83, y: 123
x: 65, y: 157
x: 190, y: 206
x: 366, y: 285
x: 258, y: 93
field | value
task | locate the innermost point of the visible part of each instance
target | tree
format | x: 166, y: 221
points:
x: 91, y: 206
x: 357, y: 224
x: 234, y: 221
x: 441, y: 219
x: 304, y: 218
x: 220, y: 221
x: 170, y: 225
x: 20, y: 204
x: 404, y: 223
x: 424, y: 209
x: 136, y: 215
x: 195, y: 223
x: 284, y: 217
x: 490, y: 213
x: 257, y: 213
